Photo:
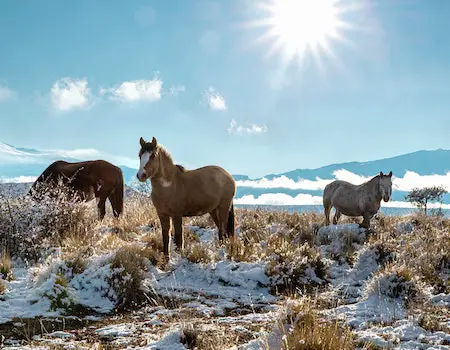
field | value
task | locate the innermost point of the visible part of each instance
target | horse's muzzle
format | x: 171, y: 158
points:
x: 141, y: 177
x: 386, y: 198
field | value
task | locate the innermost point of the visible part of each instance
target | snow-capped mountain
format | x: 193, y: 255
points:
x: 299, y: 186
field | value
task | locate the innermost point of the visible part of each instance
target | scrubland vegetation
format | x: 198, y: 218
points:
x: 287, y: 282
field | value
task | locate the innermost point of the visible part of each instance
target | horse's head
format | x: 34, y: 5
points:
x: 147, y: 156
x: 386, y: 186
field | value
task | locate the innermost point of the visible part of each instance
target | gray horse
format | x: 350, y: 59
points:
x: 357, y: 200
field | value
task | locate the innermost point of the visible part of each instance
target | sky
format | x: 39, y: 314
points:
x: 214, y: 88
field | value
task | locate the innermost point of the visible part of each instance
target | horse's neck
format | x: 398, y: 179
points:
x: 373, y: 186
x: 166, y: 173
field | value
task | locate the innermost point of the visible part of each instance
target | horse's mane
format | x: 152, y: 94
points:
x: 165, y: 153
x: 181, y: 168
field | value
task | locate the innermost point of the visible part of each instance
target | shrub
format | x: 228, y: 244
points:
x: 200, y: 253
x: 29, y: 228
x: 294, y: 268
x: 127, y: 275
x: 308, y: 332
x: 395, y: 282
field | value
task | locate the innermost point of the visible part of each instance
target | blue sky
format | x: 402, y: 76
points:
x: 100, y: 74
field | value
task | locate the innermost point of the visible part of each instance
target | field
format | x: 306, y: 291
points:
x: 70, y: 282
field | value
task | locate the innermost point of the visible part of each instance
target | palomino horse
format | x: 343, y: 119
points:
x: 85, y: 181
x: 357, y: 200
x: 178, y: 193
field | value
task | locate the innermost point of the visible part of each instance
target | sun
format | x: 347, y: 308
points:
x: 300, y: 27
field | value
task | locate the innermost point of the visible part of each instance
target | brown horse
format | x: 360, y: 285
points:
x: 85, y: 181
x: 353, y: 200
x: 178, y: 193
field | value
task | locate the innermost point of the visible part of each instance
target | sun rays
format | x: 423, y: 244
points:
x: 298, y: 28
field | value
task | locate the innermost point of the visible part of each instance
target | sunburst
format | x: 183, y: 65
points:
x: 297, y: 28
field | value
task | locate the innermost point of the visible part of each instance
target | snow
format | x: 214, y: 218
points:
x: 220, y: 286
x: 116, y: 331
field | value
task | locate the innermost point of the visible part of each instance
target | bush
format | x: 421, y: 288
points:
x: 127, y: 276
x: 200, y: 253
x: 395, y: 282
x: 308, y: 332
x: 293, y: 268
x: 30, y: 229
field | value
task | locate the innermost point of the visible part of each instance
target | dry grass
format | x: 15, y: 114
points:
x: 198, y: 253
x: 138, y: 212
x: 307, y: 331
x: 2, y: 287
x: 6, y: 272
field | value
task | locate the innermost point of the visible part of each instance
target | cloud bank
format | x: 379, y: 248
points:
x: 307, y: 199
x: 406, y: 183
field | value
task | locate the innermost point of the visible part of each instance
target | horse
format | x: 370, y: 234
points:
x: 357, y: 200
x: 85, y: 181
x: 178, y: 192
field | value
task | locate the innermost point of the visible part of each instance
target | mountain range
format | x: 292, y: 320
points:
x: 417, y: 168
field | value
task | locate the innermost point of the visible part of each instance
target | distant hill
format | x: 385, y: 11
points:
x: 435, y: 162
x: 15, y: 162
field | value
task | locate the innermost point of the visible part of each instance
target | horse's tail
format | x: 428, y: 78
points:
x: 117, y: 194
x: 230, y: 222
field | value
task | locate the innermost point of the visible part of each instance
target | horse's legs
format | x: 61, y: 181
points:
x: 101, y: 208
x: 337, y: 215
x: 112, y: 200
x: 222, y: 214
x: 165, y: 228
x: 366, y: 220
x: 216, y: 221
x: 327, y: 210
x: 178, y: 228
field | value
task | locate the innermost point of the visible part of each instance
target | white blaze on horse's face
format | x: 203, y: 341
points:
x: 386, y: 187
x: 142, y: 174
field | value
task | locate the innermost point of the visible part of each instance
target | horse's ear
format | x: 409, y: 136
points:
x: 381, y: 174
x: 142, y: 142
x: 390, y: 174
x: 154, y: 142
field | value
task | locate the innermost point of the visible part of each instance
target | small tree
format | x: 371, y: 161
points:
x: 420, y: 197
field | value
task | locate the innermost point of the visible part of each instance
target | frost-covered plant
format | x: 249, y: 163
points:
x: 60, y: 296
x: 29, y: 228
x: 294, y: 268
x: 127, y: 268
x: 395, y: 282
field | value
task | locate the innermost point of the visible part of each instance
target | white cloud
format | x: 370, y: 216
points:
x: 68, y: 93
x: 307, y: 199
x: 175, y: 90
x: 6, y: 93
x: 406, y: 183
x: 136, y: 90
x: 235, y: 128
x: 215, y: 100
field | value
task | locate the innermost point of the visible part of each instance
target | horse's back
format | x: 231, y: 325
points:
x: 211, y: 179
